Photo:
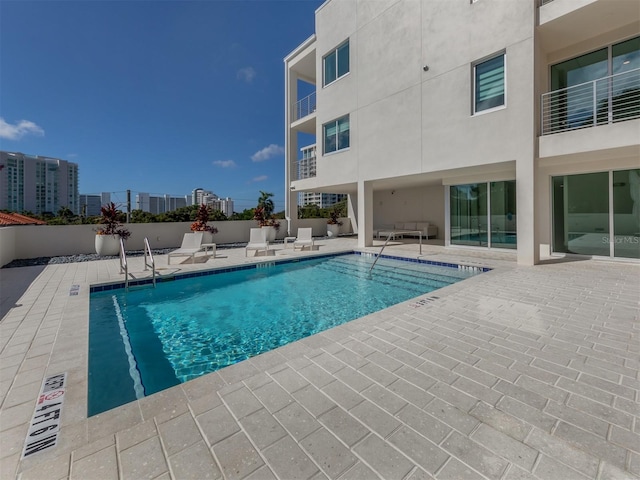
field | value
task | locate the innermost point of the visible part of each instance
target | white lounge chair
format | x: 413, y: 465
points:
x: 257, y: 241
x: 304, y: 239
x: 191, y: 244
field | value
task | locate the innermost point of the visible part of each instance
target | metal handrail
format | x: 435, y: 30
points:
x: 303, y: 107
x: 380, y: 252
x: 393, y: 234
x: 607, y: 100
x: 147, y: 253
x: 124, y: 268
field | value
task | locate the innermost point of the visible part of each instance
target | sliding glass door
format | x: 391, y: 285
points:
x: 483, y: 214
x: 588, y: 207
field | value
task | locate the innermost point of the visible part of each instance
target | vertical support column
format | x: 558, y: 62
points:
x: 352, y: 211
x: 528, y: 235
x: 365, y: 214
x: 291, y: 148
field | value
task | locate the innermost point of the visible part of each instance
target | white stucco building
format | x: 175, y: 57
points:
x: 507, y: 124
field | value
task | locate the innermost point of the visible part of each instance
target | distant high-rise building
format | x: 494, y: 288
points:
x: 37, y: 184
x: 225, y: 205
x: 307, y: 169
x: 90, y: 203
x: 159, y: 204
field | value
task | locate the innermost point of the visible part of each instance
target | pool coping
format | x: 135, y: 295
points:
x: 108, y: 286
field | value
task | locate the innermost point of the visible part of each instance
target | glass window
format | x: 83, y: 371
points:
x: 336, y: 63
x: 626, y: 213
x: 580, y: 102
x: 489, y: 84
x: 471, y: 225
x: 503, y: 214
x: 581, y: 214
x: 468, y: 205
x: 336, y: 135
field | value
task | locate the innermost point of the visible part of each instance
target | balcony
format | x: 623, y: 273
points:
x: 611, y: 99
x: 562, y: 23
x: 304, y: 107
x: 306, y: 168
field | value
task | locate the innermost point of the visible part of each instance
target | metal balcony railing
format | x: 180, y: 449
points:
x: 610, y: 99
x: 304, y: 107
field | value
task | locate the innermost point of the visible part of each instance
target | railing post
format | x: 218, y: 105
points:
x: 595, y: 103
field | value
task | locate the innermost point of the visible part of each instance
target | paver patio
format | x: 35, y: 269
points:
x: 518, y: 373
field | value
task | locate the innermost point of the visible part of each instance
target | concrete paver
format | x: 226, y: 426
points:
x: 518, y: 373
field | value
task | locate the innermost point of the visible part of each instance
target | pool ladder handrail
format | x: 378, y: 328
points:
x: 391, y: 234
x: 147, y: 264
x: 124, y: 268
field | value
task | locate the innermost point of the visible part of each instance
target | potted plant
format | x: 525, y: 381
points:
x: 201, y: 224
x: 334, y: 223
x: 109, y: 234
x: 263, y: 214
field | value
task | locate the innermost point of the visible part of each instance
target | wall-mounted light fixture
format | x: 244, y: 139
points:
x: 425, y: 68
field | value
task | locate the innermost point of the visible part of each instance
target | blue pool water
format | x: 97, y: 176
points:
x: 145, y: 340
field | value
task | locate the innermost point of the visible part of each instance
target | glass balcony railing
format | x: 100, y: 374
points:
x: 607, y: 100
x: 304, y: 107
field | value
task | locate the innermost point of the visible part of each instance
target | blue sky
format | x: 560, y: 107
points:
x: 152, y: 96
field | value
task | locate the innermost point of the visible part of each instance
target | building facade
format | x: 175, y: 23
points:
x: 512, y: 125
x: 37, y: 184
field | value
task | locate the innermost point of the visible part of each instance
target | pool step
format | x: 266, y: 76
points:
x: 389, y: 276
x: 389, y: 272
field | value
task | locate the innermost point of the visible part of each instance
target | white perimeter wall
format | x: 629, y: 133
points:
x: 32, y: 241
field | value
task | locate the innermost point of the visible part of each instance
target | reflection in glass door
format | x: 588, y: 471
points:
x: 626, y: 213
x: 583, y: 214
x: 469, y: 214
x: 503, y: 214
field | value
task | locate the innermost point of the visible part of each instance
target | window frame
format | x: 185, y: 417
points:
x: 324, y: 135
x: 474, y: 66
x: 334, y: 51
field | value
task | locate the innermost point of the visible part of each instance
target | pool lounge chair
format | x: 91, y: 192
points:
x: 191, y: 244
x: 257, y: 241
x: 304, y: 239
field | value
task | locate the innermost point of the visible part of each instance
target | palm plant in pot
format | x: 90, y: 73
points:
x: 263, y: 214
x: 333, y: 223
x: 201, y: 223
x: 108, y: 235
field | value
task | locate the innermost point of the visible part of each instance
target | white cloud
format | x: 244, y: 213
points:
x: 261, y: 178
x: 224, y: 163
x: 246, y: 74
x: 267, y: 152
x: 19, y: 130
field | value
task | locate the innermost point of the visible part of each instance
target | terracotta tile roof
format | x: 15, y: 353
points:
x: 7, y: 219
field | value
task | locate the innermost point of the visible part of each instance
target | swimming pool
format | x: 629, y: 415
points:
x: 146, y: 340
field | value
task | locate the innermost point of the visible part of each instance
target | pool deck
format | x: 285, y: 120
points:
x: 518, y: 373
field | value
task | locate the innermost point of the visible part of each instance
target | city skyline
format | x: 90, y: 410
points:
x: 155, y: 97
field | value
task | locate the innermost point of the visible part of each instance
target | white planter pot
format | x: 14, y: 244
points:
x: 207, y: 237
x: 270, y: 233
x: 107, y: 244
x: 333, y: 230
